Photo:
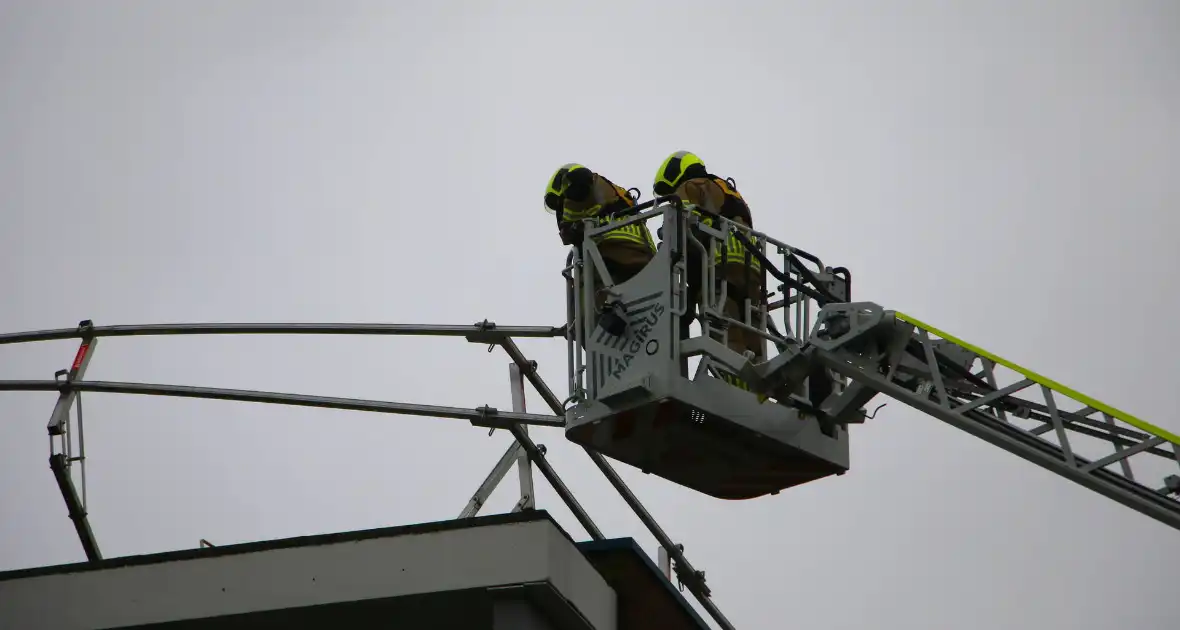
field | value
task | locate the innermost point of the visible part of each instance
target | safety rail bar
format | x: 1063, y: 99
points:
x: 806, y: 283
x: 487, y: 329
x: 488, y: 417
x: 485, y: 332
x: 676, y: 202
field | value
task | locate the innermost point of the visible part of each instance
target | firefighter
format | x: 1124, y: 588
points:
x: 575, y: 193
x: 684, y: 174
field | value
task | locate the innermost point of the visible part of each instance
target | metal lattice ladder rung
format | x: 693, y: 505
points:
x: 1094, y: 444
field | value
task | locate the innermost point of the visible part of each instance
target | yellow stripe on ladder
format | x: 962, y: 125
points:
x: 1047, y: 382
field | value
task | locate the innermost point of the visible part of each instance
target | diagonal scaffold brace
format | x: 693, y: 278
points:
x: 515, y: 455
x: 688, y: 576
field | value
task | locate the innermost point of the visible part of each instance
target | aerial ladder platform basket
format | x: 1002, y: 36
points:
x: 634, y: 400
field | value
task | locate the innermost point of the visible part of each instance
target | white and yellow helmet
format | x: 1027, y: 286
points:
x: 557, y: 186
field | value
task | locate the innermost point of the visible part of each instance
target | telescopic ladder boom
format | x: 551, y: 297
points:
x: 1009, y: 406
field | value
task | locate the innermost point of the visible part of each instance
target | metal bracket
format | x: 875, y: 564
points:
x: 60, y: 462
x: 516, y: 454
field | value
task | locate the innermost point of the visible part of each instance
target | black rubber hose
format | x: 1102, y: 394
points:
x: 817, y: 293
x: 636, y: 209
x: 847, y: 280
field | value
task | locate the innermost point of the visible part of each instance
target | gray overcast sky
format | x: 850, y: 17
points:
x: 1005, y: 170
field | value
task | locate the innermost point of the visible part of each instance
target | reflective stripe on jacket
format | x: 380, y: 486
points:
x: 607, y: 198
x: 716, y: 195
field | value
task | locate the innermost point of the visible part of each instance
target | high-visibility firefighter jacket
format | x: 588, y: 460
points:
x: 716, y: 195
x: 604, y: 199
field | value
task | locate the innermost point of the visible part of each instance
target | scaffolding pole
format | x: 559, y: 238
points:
x: 484, y: 331
x: 481, y: 417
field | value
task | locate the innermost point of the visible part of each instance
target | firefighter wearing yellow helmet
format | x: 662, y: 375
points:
x: 685, y: 175
x: 575, y: 193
